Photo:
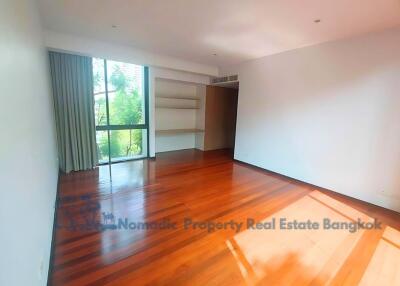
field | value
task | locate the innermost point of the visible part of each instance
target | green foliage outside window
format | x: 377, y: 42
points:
x: 125, y: 107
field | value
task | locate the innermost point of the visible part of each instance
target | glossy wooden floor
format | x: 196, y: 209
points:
x: 211, y: 187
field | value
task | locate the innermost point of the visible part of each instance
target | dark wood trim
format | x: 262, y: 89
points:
x: 324, y: 190
x: 186, y: 149
x: 121, y: 127
x: 53, y: 236
x: 121, y: 161
x: 146, y: 107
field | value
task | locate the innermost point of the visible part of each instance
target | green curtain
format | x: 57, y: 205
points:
x: 72, y: 81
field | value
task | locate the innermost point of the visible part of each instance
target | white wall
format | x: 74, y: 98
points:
x: 111, y: 51
x: 328, y: 115
x: 28, y: 169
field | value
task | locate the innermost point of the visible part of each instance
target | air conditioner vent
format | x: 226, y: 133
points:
x: 231, y: 81
x: 224, y: 79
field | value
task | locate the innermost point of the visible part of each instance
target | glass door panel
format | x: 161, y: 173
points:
x: 121, y: 105
x: 126, y: 93
x: 128, y: 144
x: 99, y: 90
x: 102, y: 146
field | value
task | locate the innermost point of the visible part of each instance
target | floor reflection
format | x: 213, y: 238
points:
x: 211, y: 187
x: 124, y: 175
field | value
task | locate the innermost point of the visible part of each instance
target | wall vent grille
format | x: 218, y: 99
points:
x: 229, y: 78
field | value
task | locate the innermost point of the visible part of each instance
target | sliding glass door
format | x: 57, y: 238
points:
x: 121, y: 110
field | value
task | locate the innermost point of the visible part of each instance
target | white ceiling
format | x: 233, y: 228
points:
x: 235, y: 30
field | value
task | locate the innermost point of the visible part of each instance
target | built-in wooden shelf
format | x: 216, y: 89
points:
x: 177, y: 131
x: 173, y: 97
x: 177, y: 107
x: 171, y: 102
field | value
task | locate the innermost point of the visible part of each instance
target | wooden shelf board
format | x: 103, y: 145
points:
x: 177, y: 107
x: 178, y: 131
x: 172, y: 97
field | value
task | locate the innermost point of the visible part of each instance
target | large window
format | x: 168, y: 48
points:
x: 121, y: 110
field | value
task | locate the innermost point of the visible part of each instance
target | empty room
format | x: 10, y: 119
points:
x: 200, y: 142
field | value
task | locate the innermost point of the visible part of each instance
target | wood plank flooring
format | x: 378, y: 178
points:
x: 93, y: 248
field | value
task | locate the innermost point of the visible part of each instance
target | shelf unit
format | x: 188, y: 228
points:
x: 173, y: 97
x: 176, y: 107
x: 174, y: 102
x: 177, y: 131
x: 179, y: 111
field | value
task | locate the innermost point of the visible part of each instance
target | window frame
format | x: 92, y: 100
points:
x: 108, y: 127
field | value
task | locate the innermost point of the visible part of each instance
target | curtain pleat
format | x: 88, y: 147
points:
x: 72, y: 81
